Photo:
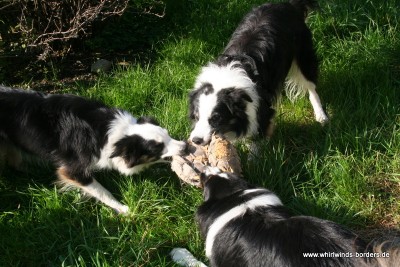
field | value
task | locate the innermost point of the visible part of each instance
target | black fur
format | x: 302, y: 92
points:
x: 229, y: 114
x: 63, y: 129
x: 270, y: 236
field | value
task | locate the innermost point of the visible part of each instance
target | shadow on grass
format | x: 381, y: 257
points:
x: 15, y: 184
x: 40, y: 225
x: 57, y: 235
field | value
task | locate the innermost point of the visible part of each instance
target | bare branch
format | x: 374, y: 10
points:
x: 42, y: 23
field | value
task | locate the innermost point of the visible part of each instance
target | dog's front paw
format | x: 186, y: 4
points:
x: 321, y: 118
x: 183, y: 257
x: 123, y: 210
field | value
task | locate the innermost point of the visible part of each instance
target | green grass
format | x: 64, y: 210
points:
x: 347, y: 171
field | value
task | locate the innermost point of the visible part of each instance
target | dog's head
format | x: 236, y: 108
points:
x: 145, y: 143
x: 218, y: 185
x: 223, y: 101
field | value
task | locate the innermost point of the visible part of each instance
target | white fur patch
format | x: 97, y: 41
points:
x: 209, y: 170
x: 222, y: 77
x: 297, y: 86
x: 319, y: 112
x: 202, y: 128
x: 183, y: 257
x: 125, y: 124
x: 258, y: 201
x: 249, y: 191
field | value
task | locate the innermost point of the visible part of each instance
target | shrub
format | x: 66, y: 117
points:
x: 46, y: 28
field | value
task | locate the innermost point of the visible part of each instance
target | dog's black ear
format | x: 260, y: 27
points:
x: 119, y: 150
x: 246, y: 62
x: 208, y: 186
x: 216, y: 187
x: 135, y: 150
x: 249, y: 66
x: 235, y: 99
x: 146, y: 119
x: 240, y: 94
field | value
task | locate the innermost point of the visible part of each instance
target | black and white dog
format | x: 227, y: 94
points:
x: 80, y: 136
x: 235, y: 95
x: 248, y: 226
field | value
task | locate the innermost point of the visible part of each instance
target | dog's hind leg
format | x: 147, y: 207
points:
x: 10, y: 155
x: 92, y: 188
x: 319, y: 112
x: 297, y: 85
x: 303, y: 75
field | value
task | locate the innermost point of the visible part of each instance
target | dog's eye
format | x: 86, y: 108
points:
x: 215, y: 118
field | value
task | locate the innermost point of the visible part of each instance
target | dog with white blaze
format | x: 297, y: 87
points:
x: 271, y: 49
x: 248, y: 226
x: 79, y: 136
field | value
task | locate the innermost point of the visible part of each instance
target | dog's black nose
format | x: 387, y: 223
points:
x: 197, y: 140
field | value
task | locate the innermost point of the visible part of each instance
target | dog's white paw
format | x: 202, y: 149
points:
x: 123, y: 210
x: 321, y: 118
x: 183, y: 257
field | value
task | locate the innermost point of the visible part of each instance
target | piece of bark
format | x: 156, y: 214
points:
x: 222, y: 154
x: 219, y: 153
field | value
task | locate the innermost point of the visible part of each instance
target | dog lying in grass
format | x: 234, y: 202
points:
x: 79, y: 136
x: 248, y: 226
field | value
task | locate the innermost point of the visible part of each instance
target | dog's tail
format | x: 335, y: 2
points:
x: 304, y: 6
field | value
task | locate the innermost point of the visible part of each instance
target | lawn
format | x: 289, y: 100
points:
x: 347, y: 171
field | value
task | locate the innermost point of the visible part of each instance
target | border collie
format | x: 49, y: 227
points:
x: 80, y: 136
x: 235, y: 95
x: 248, y: 226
